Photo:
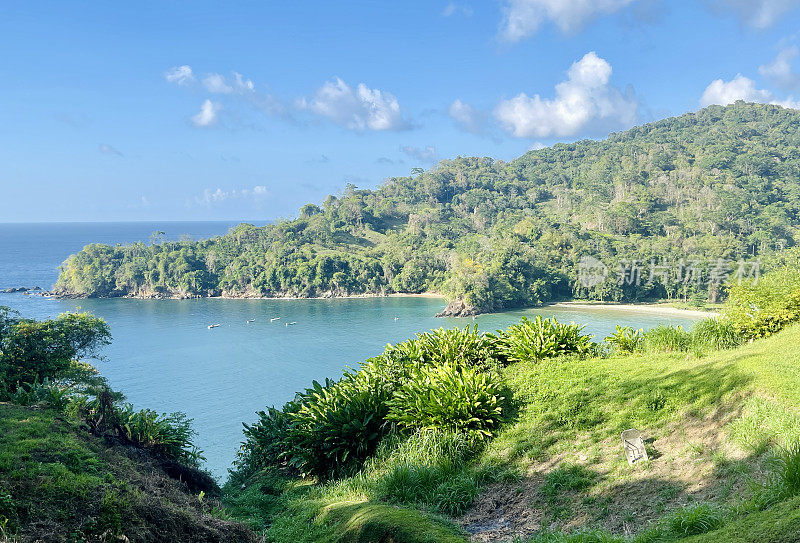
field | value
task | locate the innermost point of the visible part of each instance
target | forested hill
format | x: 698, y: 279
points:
x: 678, y: 194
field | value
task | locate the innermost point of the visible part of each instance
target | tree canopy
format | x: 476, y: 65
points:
x: 718, y: 185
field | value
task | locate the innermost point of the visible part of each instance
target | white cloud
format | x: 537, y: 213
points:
x: 780, y: 69
x: 218, y: 84
x: 585, y: 101
x: 759, y: 14
x: 180, y: 75
x: 522, y: 18
x: 467, y: 117
x: 422, y: 154
x: 215, y: 83
x: 107, y: 149
x: 210, y: 197
x: 457, y: 9
x: 208, y: 115
x: 359, y: 109
x: 741, y: 88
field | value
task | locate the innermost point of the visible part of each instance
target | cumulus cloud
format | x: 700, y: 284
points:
x: 467, y: 117
x: 586, y: 101
x: 179, y: 75
x: 426, y: 154
x: 107, y: 149
x: 759, y: 14
x: 210, y: 197
x: 522, y: 18
x: 741, y: 88
x: 208, y: 115
x: 779, y: 70
x: 359, y: 108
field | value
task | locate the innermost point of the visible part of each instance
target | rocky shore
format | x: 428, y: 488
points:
x: 458, y: 308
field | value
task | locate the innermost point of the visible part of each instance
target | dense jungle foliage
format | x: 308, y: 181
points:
x: 672, y: 209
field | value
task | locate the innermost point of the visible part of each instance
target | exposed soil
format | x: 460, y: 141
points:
x: 689, y: 461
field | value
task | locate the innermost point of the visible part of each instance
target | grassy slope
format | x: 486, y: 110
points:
x: 708, y: 420
x: 59, y: 483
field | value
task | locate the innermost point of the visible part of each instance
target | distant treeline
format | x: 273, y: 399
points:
x: 672, y: 209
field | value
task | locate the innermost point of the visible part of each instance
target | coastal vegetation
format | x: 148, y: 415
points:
x: 533, y: 452
x: 675, y: 209
x: 451, y: 434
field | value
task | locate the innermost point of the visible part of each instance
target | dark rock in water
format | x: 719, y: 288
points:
x: 36, y: 288
x: 14, y: 289
x: 458, y: 308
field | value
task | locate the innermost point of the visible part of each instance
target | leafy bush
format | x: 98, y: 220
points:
x: 32, y: 351
x: 455, y: 345
x: 265, y: 441
x: 542, y: 338
x: 170, y: 435
x: 626, y: 339
x: 34, y: 393
x: 761, y: 308
x: 337, y: 426
x: 452, y: 396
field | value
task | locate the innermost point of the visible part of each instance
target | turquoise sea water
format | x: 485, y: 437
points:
x: 164, y: 356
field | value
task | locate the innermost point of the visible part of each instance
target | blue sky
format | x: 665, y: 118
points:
x: 246, y: 110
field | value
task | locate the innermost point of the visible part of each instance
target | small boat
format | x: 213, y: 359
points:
x: 250, y: 320
x: 290, y: 323
x: 396, y: 318
x: 274, y: 319
x: 210, y: 326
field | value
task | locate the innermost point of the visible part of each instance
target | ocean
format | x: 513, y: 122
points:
x: 165, y: 357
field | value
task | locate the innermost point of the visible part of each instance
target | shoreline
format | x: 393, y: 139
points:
x: 60, y: 296
x: 653, y: 308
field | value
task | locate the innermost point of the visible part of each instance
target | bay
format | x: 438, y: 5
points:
x: 164, y: 357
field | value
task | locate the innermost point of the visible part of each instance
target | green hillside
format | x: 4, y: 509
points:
x: 721, y: 183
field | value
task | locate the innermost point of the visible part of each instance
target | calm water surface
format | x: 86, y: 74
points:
x: 164, y: 357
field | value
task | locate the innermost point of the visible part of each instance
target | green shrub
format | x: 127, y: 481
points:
x: 33, y: 351
x: 170, y: 435
x: 626, y: 339
x: 336, y: 427
x: 455, y: 345
x: 760, y: 308
x: 669, y: 339
x: 542, y: 338
x: 265, y: 441
x: 36, y: 393
x: 452, y: 396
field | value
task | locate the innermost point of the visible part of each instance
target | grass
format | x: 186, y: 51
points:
x: 696, y: 411
x: 58, y: 483
x: 778, y: 524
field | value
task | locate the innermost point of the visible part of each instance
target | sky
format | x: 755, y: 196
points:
x: 246, y: 110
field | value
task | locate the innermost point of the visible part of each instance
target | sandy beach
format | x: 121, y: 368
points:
x: 660, y: 309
